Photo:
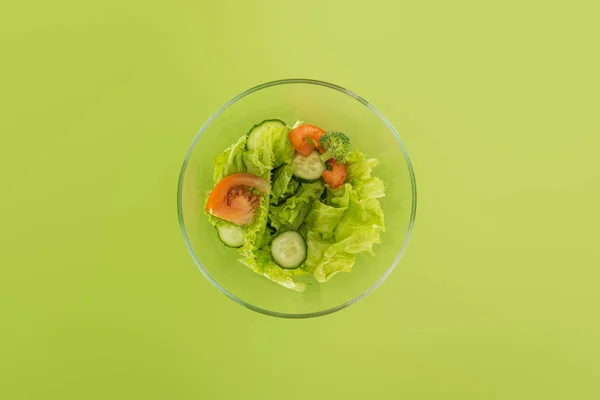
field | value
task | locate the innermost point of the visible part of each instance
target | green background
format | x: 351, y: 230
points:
x: 497, y: 296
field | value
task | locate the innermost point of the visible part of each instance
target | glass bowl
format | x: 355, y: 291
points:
x: 332, y: 108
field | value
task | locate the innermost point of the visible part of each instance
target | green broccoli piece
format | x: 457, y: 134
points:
x: 336, y: 145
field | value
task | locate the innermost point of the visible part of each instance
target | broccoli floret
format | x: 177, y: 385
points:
x: 336, y: 145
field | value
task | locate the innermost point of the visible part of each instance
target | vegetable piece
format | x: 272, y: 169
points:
x: 323, y: 218
x: 283, y: 184
x: 370, y: 188
x: 357, y: 232
x: 308, y: 169
x: 294, y: 226
x: 264, y: 265
x: 267, y: 148
x: 335, y: 145
x: 289, y: 250
x: 359, y: 175
x: 272, y: 132
x: 294, y: 210
x: 256, y: 256
x: 359, y: 167
x: 305, y: 137
x: 230, y: 234
x: 263, y: 131
x: 361, y: 213
x: 316, y: 246
x: 231, y: 160
x: 336, y: 176
x: 233, y: 200
x: 255, y: 235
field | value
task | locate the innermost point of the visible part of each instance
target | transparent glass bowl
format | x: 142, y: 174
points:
x: 332, y: 108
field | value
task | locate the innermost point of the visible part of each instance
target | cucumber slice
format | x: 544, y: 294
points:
x: 308, y: 169
x: 254, y: 136
x: 289, y: 250
x: 231, y: 235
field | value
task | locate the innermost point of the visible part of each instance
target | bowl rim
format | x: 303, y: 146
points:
x: 381, y: 278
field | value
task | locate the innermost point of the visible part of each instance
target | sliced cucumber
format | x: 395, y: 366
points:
x: 231, y: 235
x: 289, y: 250
x: 254, y: 136
x: 308, y: 169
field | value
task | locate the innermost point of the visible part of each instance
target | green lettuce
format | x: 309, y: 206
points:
x: 333, y: 241
x: 283, y: 151
x: 271, y: 149
x: 370, y: 188
x: 340, y: 256
x: 257, y: 164
x: 361, y: 214
x: 255, y: 233
x: 257, y: 256
x: 323, y: 218
x: 284, y: 277
x: 359, y: 175
x: 283, y: 184
x: 358, y: 167
x: 316, y: 245
x: 231, y: 161
x: 262, y: 264
x: 367, y: 187
x: 290, y: 214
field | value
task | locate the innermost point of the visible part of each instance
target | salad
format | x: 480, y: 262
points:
x: 296, y: 201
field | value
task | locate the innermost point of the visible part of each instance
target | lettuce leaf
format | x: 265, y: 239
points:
x: 256, y: 255
x: 255, y: 233
x: 355, y: 232
x: 361, y: 214
x: 262, y: 264
x: 340, y: 256
x: 359, y: 175
x: 323, y: 218
x: 231, y: 161
x: 257, y: 164
x: 316, y: 246
x: 283, y: 150
x: 283, y: 184
x: 370, y: 188
x: 271, y: 149
x: 284, y: 277
x: 358, y: 167
x: 292, y: 212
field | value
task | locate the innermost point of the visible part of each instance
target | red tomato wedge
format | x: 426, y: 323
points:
x: 233, y: 200
x: 336, y: 176
x: 299, y: 135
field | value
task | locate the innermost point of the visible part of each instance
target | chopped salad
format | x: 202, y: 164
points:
x: 296, y: 201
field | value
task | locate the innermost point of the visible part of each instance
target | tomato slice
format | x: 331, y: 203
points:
x: 336, y: 176
x: 233, y: 200
x: 299, y: 135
